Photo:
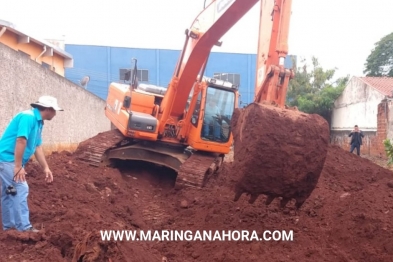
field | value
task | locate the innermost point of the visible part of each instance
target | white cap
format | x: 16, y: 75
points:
x: 47, y: 101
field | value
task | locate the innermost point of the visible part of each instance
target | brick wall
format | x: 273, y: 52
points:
x: 372, y: 141
x: 382, y: 129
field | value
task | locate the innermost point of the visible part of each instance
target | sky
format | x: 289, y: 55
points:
x: 341, y: 34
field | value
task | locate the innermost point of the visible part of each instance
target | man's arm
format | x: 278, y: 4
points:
x: 350, y: 134
x: 19, y: 171
x: 226, y: 119
x: 25, y: 125
x: 20, y: 147
x: 218, y: 111
x: 40, y: 156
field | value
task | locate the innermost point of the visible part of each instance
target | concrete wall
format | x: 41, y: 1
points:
x: 357, y: 105
x: 340, y: 138
x: 22, y: 81
x: 373, y: 140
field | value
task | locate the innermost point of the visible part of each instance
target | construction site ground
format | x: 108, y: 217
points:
x: 347, y: 218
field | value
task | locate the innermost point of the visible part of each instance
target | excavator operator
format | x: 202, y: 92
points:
x: 211, y: 121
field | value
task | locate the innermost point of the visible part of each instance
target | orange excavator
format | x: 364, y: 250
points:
x: 187, y: 126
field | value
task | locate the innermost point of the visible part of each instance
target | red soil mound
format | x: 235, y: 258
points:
x: 348, y: 217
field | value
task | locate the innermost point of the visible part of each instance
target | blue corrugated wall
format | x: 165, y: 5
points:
x: 102, y: 64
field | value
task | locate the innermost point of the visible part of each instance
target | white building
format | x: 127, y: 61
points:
x: 366, y: 102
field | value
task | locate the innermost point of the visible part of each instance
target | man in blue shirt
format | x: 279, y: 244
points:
x: 20, y: 140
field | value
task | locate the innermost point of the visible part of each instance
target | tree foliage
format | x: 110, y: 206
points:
x: 380, y: 60
x: 389, y: 151
x: 314, y: 91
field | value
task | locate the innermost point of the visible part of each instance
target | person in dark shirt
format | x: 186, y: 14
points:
x: 356, y: 139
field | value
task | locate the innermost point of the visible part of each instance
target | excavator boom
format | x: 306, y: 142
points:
x: 205, y: 32
x: 207, y: 29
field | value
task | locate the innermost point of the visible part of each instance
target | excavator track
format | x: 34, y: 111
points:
x: 92, y: 149
x: 193, y: 171
x: 196, y: 169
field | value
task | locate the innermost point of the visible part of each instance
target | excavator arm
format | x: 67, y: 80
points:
x: 272, y: 77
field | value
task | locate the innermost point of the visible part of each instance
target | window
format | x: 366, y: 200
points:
x: 142, y: 74
x: 230, y: 77
x: 219, y: 106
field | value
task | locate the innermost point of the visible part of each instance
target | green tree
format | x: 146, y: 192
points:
x: 389, y: 151
x: 380, y: 60
x: 314, y: 91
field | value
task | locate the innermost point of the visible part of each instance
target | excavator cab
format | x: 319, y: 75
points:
x: 211, y: 117
x: 219, y: 106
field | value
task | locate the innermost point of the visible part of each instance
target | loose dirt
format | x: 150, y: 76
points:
x: 278, y: 162
x: 348, y: 217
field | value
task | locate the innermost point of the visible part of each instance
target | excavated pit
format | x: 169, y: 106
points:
x: 278, y: 152
x: 155, y: 174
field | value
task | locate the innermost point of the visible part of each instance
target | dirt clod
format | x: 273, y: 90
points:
x: 184, y: 204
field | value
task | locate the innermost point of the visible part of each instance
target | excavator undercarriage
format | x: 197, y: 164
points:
x: 193, y: 168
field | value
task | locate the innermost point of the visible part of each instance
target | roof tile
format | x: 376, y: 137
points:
x: 382, y: 84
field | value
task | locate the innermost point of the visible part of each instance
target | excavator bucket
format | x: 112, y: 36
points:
x: 278, y: 152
